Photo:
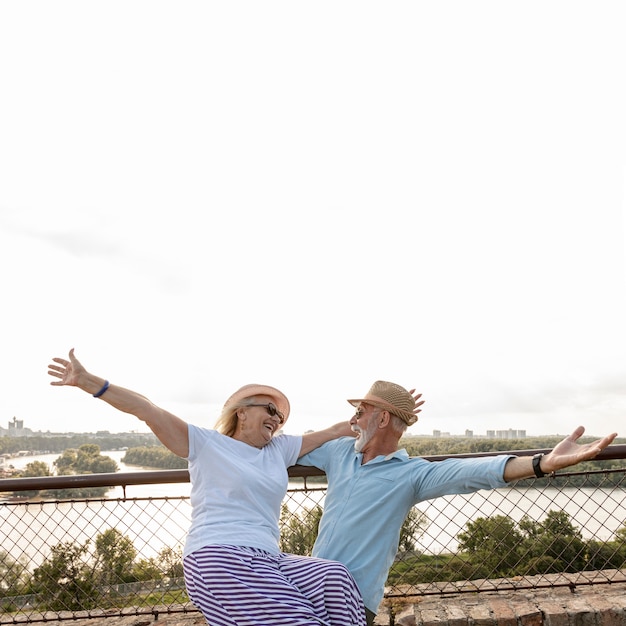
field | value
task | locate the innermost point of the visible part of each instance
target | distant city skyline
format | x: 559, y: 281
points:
x: 18, y: 428
x: 509, y: 433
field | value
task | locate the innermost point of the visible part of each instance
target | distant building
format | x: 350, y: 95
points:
x: 16, y: 429
x: 16, y: 424
x: 510, y: 433
x: 439, y: 433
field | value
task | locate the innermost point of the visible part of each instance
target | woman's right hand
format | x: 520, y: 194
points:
x: 68, y: 372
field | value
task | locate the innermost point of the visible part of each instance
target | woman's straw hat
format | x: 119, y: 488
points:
x: 248, y: 391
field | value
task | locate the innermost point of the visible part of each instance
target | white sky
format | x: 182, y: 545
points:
x: 199, y: 195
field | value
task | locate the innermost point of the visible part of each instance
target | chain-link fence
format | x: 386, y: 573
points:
x: 106, y: 557
x: 511, y: 538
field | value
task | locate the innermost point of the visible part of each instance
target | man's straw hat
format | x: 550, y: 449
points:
x: 390, y: 397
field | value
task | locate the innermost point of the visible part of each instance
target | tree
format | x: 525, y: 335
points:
x: 33, y: 469
x: 620, y: 535
x: 13, y: 574
x: 171, y: 561
x: 620, y: 547
x: 492, y: 544
x: 168, y: 563
x: 147, y: 569
x: 553, y: 545
x: 154, y: 456
x: 413, y: 527
x: 64, y: 581
x: 66, y: 462
x: 605, y: 555
x: 115, y: 555
x: 299, y: 530
x: 86, y: 460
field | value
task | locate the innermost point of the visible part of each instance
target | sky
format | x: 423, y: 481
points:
x: 315, y: 196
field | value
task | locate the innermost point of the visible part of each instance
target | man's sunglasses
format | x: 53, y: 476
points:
x: 270, y: 407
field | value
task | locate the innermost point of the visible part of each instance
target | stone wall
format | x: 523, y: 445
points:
x: 578, y: 605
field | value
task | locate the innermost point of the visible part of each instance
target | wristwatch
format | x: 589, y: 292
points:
x: 537, y: 465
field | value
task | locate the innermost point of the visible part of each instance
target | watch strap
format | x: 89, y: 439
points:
x: 537, y: 465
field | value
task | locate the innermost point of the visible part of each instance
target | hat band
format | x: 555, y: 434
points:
x: 406, y: 416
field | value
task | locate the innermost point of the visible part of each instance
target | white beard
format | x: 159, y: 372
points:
x: 364, y: 436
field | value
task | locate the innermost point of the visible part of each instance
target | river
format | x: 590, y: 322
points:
x: 143, y: 491
x: 598, y: 513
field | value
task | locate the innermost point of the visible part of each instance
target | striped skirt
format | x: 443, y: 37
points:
x: 239, y: 586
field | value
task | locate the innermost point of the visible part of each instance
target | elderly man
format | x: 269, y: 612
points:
x: 372, y: 485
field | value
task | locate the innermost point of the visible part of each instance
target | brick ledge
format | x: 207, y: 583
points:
x: 575, y: 603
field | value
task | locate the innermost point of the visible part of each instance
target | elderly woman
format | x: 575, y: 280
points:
x: 234, y: 570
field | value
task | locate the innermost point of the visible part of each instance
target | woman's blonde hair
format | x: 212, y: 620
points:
x: 227, y: 422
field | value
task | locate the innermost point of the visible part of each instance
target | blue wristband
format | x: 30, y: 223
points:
x: 104, y: 388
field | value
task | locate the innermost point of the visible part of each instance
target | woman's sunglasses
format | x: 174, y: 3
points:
x: 271, y: 409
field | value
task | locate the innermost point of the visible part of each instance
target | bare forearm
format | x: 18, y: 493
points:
x: 310, y: 441
x: 520, y: 467
x: 169, y: 429
x: 118, y: 397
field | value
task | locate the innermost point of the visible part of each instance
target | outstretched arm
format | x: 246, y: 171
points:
x: 565, y: 454
x: 170, y: 430
x: 310, y: 441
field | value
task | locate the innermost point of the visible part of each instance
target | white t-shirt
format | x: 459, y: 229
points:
x: 237, y: 489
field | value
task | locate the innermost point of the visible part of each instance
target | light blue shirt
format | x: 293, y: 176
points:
x: 365, y: 505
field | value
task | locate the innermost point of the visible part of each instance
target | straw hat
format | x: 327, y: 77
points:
x: 390, y: 397
x: 248, y: 391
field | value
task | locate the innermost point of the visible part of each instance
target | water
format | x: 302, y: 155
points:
x: 30, y: 531
x: 132, y: 491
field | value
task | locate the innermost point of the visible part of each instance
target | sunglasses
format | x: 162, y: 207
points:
x: 271, y: 409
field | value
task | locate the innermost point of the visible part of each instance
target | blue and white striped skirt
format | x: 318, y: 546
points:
x: 240, y: 586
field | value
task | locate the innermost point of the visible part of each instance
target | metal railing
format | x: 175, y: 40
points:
x: 95, y: 557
